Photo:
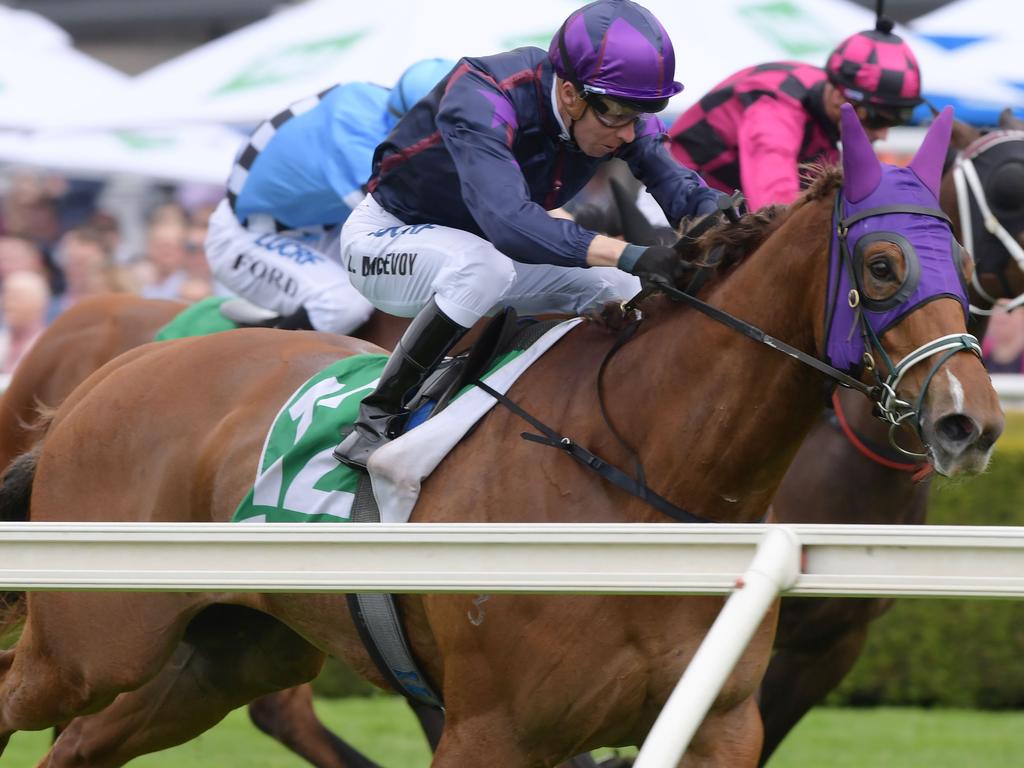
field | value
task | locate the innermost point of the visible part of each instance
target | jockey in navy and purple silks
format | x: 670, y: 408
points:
x: 753, y: 130
x: 457, y: 225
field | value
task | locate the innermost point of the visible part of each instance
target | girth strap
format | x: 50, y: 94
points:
x: 380, y: 626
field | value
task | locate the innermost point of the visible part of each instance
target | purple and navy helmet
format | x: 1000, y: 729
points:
x: 877, y: 69
x: 616, y: 49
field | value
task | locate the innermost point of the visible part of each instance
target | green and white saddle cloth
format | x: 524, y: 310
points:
x: 298, y: 479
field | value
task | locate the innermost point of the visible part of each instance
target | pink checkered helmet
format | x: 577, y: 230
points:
x: 877, y: 69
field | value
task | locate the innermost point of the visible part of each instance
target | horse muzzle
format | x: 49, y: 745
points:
x: 960, y: 440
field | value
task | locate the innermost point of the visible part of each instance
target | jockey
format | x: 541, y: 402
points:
x: 754, y: 130
x: 456, y: 224
x: 294, y: 182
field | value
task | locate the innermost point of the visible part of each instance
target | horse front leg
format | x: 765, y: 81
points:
x: 727, y: 739
x: 288, y: 717
x: 482, y: 741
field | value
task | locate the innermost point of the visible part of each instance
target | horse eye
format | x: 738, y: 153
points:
x: 880, y: 269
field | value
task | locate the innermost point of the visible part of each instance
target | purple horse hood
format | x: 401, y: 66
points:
x: 880, y: 191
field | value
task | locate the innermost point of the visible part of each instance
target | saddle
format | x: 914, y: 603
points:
x: 505, y: 332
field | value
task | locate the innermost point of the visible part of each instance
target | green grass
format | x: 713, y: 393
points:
x: 829, y: 738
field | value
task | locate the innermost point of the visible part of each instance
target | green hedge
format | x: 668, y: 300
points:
x: 953, y: 653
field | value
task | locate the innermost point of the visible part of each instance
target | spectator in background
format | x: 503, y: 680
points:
x: 87, y: 264
x: 196, y: 264
x: 195, y: 288
x: 26, y: 301
x: 1004, y: 343
x: 18, y: 254
x: 168, y: 213
x: 30, y: 211
x: 106, y: 227
x: 165, y: 259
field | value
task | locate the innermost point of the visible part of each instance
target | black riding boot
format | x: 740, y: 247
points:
x: 381, y: 415
x: 296, y: 321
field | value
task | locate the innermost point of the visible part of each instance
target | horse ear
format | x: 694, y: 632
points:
x: 861, y: 170
x: 927, y: 163
x: 964, y: 134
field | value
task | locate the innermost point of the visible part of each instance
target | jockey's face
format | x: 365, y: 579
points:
x: 596, y: 134
x: 876, y: 120
x: 597, y: 139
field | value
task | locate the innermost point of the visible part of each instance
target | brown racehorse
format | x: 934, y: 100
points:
x: 832, y: 480
x: 544, y: 677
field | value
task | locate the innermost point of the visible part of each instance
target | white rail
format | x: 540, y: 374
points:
x: 1010, y: 388
x: 921, y: 561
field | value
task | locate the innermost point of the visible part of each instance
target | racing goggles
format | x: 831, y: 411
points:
x: 876, y: 117
x: 609, y: 112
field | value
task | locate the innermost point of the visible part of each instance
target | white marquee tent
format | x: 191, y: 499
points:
x: 253, y: 73
x: 43, y: 79
x: 188, y: 153
x: 46, y: 86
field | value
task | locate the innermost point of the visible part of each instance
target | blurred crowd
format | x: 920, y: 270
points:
x: 62, y: 240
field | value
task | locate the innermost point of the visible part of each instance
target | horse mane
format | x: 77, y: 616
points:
x: 824, y: 181
x: 728, y: 243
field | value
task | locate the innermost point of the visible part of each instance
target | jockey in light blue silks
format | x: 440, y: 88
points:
x: 456, y: 224
x: 295, y: 181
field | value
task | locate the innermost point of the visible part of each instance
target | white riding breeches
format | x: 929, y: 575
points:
x: 282, y: 271
x: 399, y: 267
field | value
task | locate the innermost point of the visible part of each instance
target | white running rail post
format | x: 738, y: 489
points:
x: 774, y: 569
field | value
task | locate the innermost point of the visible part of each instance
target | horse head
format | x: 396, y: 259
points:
x: 898, y: 275
x: 983, y: 191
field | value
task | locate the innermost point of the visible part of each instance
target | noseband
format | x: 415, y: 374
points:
x: 969, y: 186
x: 890, y: 407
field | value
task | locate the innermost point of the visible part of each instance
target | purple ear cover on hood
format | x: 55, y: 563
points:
x: 931, y: 156
x: 861, y: 169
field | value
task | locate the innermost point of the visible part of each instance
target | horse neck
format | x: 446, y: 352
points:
x: 721, y: 415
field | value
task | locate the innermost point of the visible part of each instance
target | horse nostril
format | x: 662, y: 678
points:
x: 957, y: 428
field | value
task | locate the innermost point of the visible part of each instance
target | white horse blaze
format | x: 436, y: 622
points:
x: 956, y: 391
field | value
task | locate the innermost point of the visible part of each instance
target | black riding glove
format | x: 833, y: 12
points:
x: 656, y: 261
